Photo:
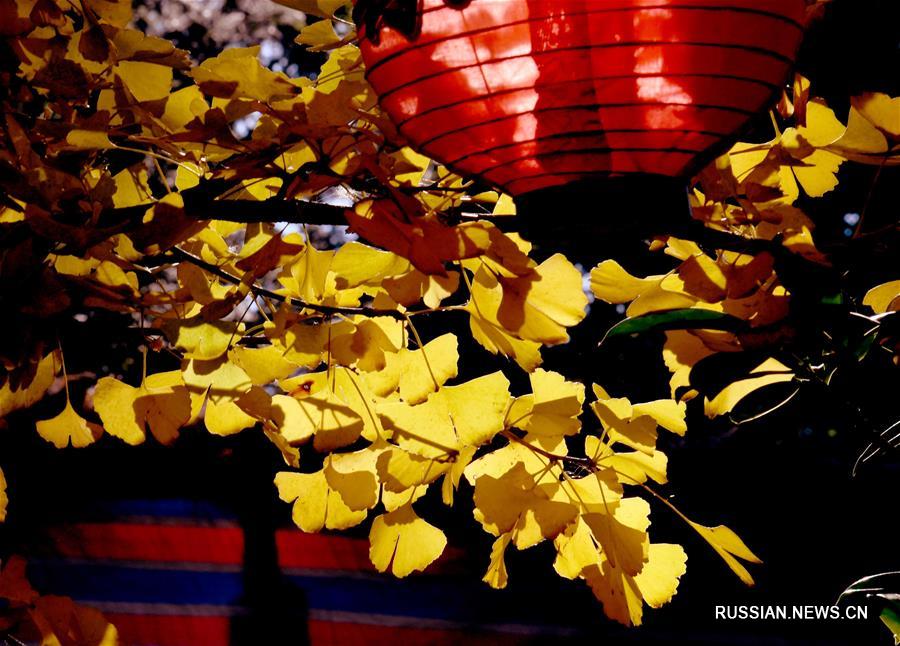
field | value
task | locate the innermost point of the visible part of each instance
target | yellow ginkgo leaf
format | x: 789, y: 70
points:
x: 624, y: 595
x: 145, y: 81
x: 413, y: 286
x: 263, y: 365
x: 354, y: 476
x: 632, y: 467
x: 513, y: 503
x: 668, y: 413
x: 69, y: 427
x: 161, y: 403
x: 323, y: 8
x: 730, y: 547
x: 315, y: 505
x: 24, y: 395
x: 323, y: 416
x: 403, y: 543
x: 318, y: 36
x: 623, y: 534
x: 470, y: 414
x: 237, y: 72
x: 576, y: 550
x: 552, y: 409
x: 357, y: 264
x: 367, y: 345
x: 703, y: 278
x: 400, y: 470
x: 881, y: 110
x: 497, y: 340
x: 89, y: 140
x: 884, y: 298
x: 496, y: 576
x: 617, y: 417
x: 200, y: 339
x: 542, y: 304
x: 658, y: 581
x: 769, y: 372
x: 424, y: 370
x: 612, y: 284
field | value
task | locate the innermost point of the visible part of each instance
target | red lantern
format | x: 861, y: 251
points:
x: 531, y: 94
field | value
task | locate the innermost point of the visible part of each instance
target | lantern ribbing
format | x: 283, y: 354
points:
x: 530, y: 94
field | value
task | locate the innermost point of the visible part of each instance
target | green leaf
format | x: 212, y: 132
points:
x: 891, y: 618
x: 683, y: 319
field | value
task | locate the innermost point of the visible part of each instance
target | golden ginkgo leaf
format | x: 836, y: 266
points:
x: 161, y: 403
x: 69, y: 428
x: 552, y: 409
x: 316, y: 506
x: 403, y: 543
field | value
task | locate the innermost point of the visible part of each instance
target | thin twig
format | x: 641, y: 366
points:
x: 184, y: 256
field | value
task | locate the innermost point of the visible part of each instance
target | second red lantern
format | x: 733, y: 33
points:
x: 529, y: 94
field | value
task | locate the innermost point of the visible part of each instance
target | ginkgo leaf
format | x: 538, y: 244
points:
x: 403, y: 543
x: 318, y: 36
x: 368, y: 344
x: 27, y: 394
x: 496, y: 340
x: 263, y: 365
x: 357, y: 264
x: 354, y: 476
x: 769, y: 372
x: 704, y: 278
x: 400, y: 470
x: 200, y: 339
x: 512, y: 503
x: 161, y: 403
x: 424, y: 370
x: 323, y: 416
x: 576, y: 550
x: 881, y: 110
x: 884, y: 298
x: 324, y: 8
x: 552, y: 409
x: 89, y: 140
x: 621, y: 425
x: 58, y: 619
x: 469, y: 414
x: 145, y: 81
x: 622, y: 534
x: 237, y: 72
x: 496, y: 576
x: 623, y: 595
x: 315, y: 505
x: 422, y: 239
x: 612, y: 284
x: 730, y: 547
x: 69, y: 427
x: 454, y: 475
x: 658, y: 581
x: 668, y: 413
x: 543, y: 304
x: 634, y: 466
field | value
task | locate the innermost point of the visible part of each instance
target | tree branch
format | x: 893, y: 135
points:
x: 184, y: 256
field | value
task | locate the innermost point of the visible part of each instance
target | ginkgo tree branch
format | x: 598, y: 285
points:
x: 182, y: 255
